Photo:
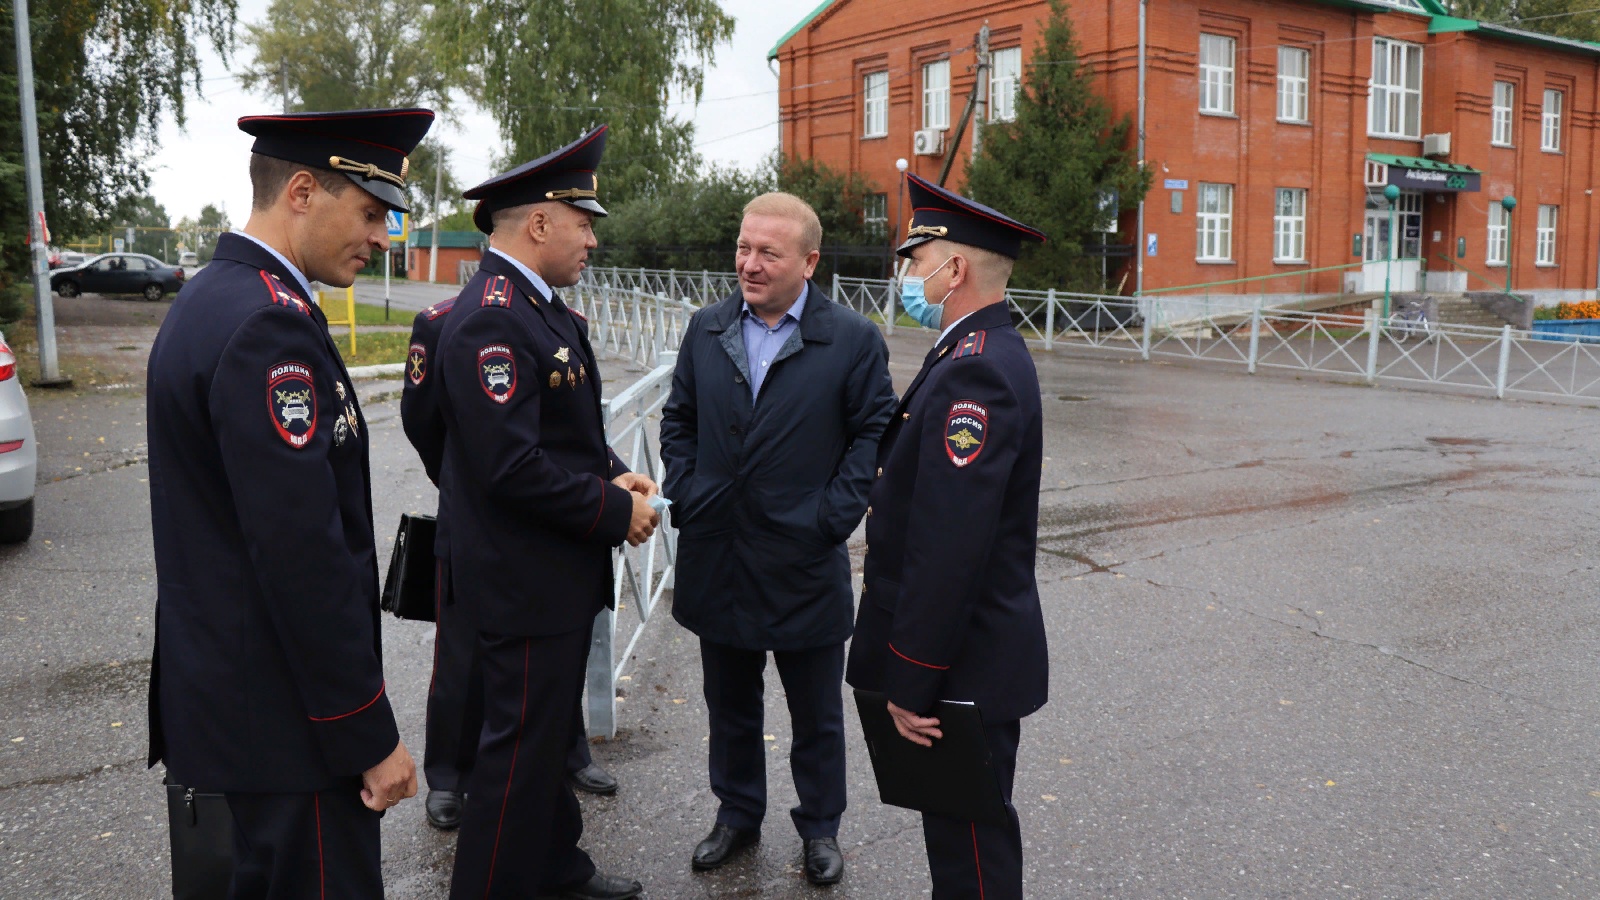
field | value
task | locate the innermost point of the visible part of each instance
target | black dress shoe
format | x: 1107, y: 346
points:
x: 824, y: 862
x: 444, y: 809
x: 601, y: 886
x: 721, y: 843
x: 594, y: 780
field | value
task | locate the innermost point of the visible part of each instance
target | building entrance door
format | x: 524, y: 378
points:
x: 1406, y: 271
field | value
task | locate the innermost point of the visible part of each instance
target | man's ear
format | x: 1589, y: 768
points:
x: 812, y: 259
x: 302, y: 185
x: 960, y: 271
x: 538, y: 225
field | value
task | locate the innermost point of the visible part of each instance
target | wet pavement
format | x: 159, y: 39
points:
x: 1307, y: 639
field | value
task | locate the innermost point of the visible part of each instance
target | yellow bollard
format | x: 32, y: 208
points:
x: 349, y: 313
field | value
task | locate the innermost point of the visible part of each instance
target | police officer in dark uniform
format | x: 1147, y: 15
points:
x: 267, y: 678
x: 455, y: 692
x: 949, y: 607
x: 536, y: 501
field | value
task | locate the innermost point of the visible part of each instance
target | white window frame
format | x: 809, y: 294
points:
x: 1555, y: 100
x: 1394, y: 95
x: 875, y: 211
x: 875, y: 104
x: 1502, y: 132
x: 1214, y: 223
x: 1289, y: 225
x: 1544, y: 245
x: 1218, y: 57
x: 1294, y: 84
x: 1495, y: 249
x: 1005, y: 82
x: 936, y: 94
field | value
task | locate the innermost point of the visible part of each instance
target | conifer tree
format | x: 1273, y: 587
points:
x: 1054, y: 163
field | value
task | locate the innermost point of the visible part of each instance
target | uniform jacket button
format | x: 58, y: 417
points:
x: 733, y: 430
x: 905, y: 415
x: 880, y: 471
x: 738, y: 379
x: 869, y: 512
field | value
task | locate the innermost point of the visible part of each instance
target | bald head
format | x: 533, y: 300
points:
x: 989, y: 271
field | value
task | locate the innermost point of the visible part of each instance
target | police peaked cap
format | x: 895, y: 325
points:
x: 567, y: 175
x: 938, y: 214
x: 369, y: 146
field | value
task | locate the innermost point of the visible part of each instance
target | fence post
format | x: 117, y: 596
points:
x: 889, y: 301
x: 1144, y: 328
x: 1374, y: 335
x: 705, y: 288
x: 1505, y: 363
x: 602, y: 671
x: 672, y: 282
x: 661, y: 322
x: 1255, y: 334
x: 1050, y: 319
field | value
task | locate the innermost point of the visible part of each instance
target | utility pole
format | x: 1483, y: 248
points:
x: 283, y: 83
x: 985, y: 79
x: 49, y: 366
x: 966, y: 116
x: 438, y: 187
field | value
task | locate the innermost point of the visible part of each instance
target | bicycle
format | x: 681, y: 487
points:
x: 1410, y: 319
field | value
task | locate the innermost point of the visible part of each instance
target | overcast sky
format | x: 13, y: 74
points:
x: 736, y: 123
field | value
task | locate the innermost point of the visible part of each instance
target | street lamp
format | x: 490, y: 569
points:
x: 1509, y: 203
x: 901, y: 164
x: 889, y: 313
x: 1392, y: 194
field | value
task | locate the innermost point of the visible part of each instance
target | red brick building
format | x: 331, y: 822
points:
x: 1271, y: 126
x: 455, y: 248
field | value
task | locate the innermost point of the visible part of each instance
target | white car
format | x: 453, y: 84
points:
x: 19, y: 453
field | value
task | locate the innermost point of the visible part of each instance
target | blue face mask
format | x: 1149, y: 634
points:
x: 915, y: 302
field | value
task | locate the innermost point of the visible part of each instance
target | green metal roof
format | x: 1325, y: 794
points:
x: 422, y: 238
x: 1424, y: 164
x: 773, y: 53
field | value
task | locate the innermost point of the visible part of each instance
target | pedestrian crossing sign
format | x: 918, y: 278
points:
x: 399, y: 225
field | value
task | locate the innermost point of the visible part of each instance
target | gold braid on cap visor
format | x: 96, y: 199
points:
x: 927, y: 231
x: 368, y: 170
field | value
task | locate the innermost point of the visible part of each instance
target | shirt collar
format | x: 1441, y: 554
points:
x: 531, y: 275
x: 299, y: 277
x: 951, y: 327
x: 793, y: 312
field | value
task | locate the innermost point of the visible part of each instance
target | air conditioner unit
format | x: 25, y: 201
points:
x: 929, y: 142
x: 1436, y: 144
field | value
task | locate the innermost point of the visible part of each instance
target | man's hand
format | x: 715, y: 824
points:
x: 639, y: 484
x: 644, y: 520
x: 390, y: 781
x: 914, y: 728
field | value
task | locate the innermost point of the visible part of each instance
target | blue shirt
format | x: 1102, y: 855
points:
x: 761, y: 343
x: 531, y: 275
x: 299, y: 276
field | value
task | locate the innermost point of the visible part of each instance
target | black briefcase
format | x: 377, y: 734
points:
x: 202, y: 843
x: 408, y: 591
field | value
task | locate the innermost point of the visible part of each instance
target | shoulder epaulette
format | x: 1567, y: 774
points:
x: 971, y: 345
x: 497, y: 291
x: 580, y: 315
x: 281, y: 295
x: 439, y: 309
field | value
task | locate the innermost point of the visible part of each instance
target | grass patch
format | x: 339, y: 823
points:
x: 373, y: 349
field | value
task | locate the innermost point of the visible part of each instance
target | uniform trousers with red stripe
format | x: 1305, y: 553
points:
x: 455, y: 698
x: 976, y: 861
x: 319, y: 845
x: 519, y: 833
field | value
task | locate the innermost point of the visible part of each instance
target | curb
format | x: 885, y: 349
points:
x: 382, y: 370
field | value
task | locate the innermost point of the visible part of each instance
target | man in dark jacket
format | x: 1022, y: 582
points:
x: 769, y: 438
x: 949, y: 605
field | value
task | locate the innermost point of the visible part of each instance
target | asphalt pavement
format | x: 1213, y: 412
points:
x: 1308, y: 639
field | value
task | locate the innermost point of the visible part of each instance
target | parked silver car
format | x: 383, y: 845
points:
x: 19, y: 453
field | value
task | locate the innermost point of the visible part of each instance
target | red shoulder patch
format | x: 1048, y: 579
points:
x: 282, y: 295
x: 417, y: 363
x: 581, y: 316
x: 292, y: 402
x: 497, y: 372
x: 497, y: 291
x: 439, y: 309
x: 971, y: 345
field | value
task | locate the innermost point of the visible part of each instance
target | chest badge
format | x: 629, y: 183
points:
x: 292, y: 402
x: 555, y: 380
x: 564, y: 354
x: 497, y: 372
x: 583, y: 376
x: 965, y: 430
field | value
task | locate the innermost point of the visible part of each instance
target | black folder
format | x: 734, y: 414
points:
x: 201, y: 830
x: 954, y: 778
x: 408, y: 589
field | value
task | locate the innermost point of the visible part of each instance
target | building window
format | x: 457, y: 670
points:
x: 1004, y: 82
x: 936, y: 94
x: 1394, y: 104
x: 1214, y: 236
x: 1216, y: 74
x: 1550, y: 133
x: 1505, y: 96
x: 875, y: 103
x: 1289, y: 226
x: 1497, y: 252
x: 875, y: 213
x: 1294, y: 84
x: 1544, y: 252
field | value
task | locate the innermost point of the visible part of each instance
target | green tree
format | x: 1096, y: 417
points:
x: 1577, y: 19
x: 150, y: 222
x: 838, y: 197
x: 106, y: 72
x: 425, y: 164
x: 1054, y: 163
x: 548, y: 72
x: 692, y: 223
x: 360, y: 54
x: 200, y: 235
